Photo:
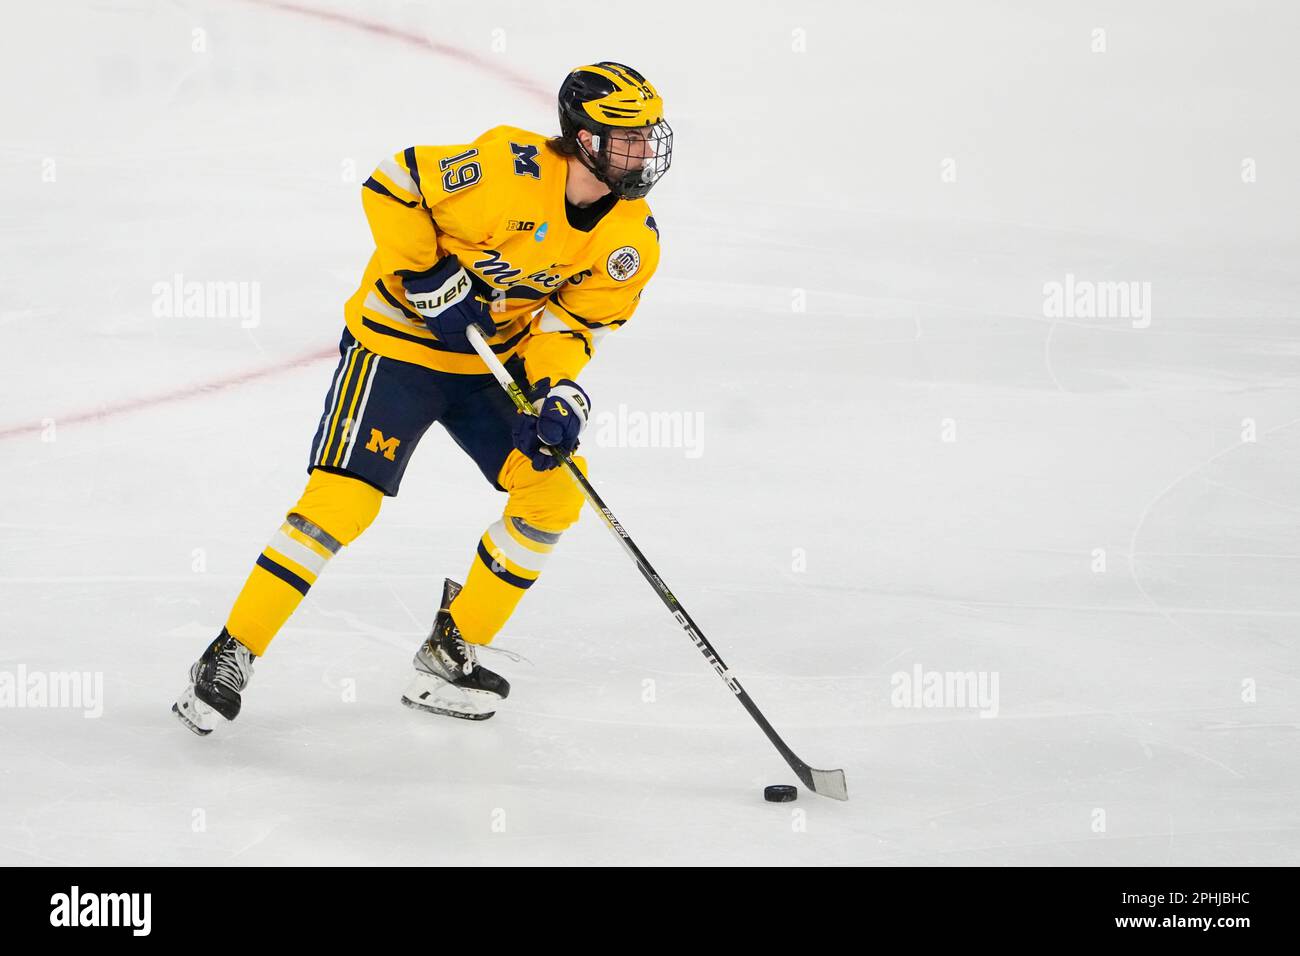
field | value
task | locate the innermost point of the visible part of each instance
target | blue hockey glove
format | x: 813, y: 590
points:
x: 445, y: 296
x: 562, y: 411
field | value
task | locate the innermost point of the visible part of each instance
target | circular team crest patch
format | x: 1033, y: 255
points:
x: 623, y: 263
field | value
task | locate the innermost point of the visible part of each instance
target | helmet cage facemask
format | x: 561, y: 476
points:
x: 641, y: 168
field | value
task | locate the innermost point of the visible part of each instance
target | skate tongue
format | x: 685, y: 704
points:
x: 450, y: 589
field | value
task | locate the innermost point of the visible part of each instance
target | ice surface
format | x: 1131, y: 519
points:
x: 920, y: 469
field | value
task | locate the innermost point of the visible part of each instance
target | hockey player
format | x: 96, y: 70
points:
x: 545, y: 244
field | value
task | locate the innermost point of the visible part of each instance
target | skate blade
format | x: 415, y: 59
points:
x: 190, y: 711
x: 189, y: 723
x: 433, y: 695
x: 445, y: 712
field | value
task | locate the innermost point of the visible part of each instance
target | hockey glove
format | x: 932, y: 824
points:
x: 562, y: 412
x: 445, y: 296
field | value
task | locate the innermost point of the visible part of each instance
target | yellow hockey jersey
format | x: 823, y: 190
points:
x: 498, y: 204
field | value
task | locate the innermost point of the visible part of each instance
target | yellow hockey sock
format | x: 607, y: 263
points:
x: 332, y: 512
x: 510, y: 557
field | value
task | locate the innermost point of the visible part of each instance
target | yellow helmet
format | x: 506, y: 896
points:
x: 631, y: 144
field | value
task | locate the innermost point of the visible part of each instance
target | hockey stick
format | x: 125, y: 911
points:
x: 829, y: 783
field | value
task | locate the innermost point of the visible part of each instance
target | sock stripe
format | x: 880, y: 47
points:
x: 284, y: 574
x: 289, y: 564
x: 498, y: 541
x: 501, y: 558
x: 307, y: 541
x: 497, y: 568
x: 299, y: 553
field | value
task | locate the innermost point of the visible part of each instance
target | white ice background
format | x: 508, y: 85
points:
x: 919, y: 467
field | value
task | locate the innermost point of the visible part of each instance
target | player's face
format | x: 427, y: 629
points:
x: 629, y: 149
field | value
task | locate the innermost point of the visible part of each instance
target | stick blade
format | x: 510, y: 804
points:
x: 828, y: 783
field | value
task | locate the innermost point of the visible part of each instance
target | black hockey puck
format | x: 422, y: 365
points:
x: 780, y: 793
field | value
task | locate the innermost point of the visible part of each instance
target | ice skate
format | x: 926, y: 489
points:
x: 448, y: 677
x: 216, y: 680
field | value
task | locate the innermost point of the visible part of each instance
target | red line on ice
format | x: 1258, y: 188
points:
x: 176, y: 394
x: 486, y: 64
x: 489, y: 65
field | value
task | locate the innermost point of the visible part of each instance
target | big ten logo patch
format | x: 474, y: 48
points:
x: 521, y: 225
x: 385, y: 446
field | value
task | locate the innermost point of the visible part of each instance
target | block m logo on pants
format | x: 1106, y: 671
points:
x: 378, y: 443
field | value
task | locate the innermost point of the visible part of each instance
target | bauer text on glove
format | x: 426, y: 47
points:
x: 444, y: 295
